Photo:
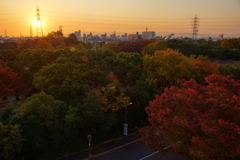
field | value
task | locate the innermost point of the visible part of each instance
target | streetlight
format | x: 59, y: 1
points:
x: 89, y: 137
x: 125, y: 126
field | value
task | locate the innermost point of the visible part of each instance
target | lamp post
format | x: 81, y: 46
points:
x: 125, y: 126
x: 89, y: 137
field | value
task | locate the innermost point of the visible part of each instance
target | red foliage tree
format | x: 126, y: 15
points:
x: 198, y: 121
x: 205, y: 68
x: 10, y: 83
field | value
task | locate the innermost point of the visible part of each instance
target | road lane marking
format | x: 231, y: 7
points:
x: 149, y: 155
x: 111, y: 150
x: 156, y: 152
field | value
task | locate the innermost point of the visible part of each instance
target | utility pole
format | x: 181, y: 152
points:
x: 95, y: 44
x: 195, y: 26
x: 39, y: 23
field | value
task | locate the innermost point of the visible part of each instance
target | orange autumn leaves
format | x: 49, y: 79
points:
x: 205, y: 68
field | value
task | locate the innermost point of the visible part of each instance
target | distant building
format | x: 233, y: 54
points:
x: 124, y: 37
x: 134, y: 37
x: 171, y: 36
x: 78, y: 35
x: 113, y: 36
x: 104, y: 36
x: 84, y: 38
x: 148, y: 35
x: 220, y: 36
x: 89, y: 36
x: 158, y: 37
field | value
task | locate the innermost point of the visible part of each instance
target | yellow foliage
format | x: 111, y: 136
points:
x: 164, y: 68
x: 111, y: 99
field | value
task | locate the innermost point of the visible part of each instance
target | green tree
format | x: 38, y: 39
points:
x: 39, y: 125
x: 185, y: 47
x: 55, y: 38
x: 62, y: 45
x: 28, y: 44
x: 80, y: 46
x: 8, y: 45
x: 29, y: 62
x: 88, y: 45
x: 73, y: 122
x: 42, y: 44
x: 228, y: 70
x: 10, y: 141
x: 164, y: 68
x: 95, y: 117
x: 9, y: 57
x: 110, y: 46
x: 201, y: 41
x: 71, y: 39
x: 55, y: 34
x: 152, y: 47
x: 231, y: 43
x: 69, y: 78
x: 127, y: 67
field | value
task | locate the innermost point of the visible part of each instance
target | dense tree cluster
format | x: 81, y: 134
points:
x: 71, y: 91
x: 197, y: 121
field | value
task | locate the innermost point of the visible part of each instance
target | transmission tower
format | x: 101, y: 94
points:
x: 195, y: 26
x: 31, y: 31
x: 39, y: 23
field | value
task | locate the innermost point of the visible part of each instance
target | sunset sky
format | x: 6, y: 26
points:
x: 130, y: 16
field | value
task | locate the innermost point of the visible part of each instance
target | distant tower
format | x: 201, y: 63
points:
x: 146, y: 29
x: 5, y: 33
x: 20, y: 34
x: 31, y: 31
x: 60, y: 29
x: 39, y: 23
x: 195, y: 26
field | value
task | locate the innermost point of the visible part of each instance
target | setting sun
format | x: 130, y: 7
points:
x: 37, y: 23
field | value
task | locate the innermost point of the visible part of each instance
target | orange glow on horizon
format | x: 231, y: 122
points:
x: 128, y: 17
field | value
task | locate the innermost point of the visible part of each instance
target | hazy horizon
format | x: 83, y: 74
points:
x: 106, y: 16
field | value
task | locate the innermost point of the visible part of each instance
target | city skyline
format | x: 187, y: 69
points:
x: 105, y: 16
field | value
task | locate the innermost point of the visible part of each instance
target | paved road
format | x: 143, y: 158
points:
x: 132, y: 152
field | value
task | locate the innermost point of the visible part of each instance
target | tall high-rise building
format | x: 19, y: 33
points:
x: 113, y: 36
x: 78, y: 35
x: 148, y: 35
x: 104, y: 35
x: 220, y: 36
